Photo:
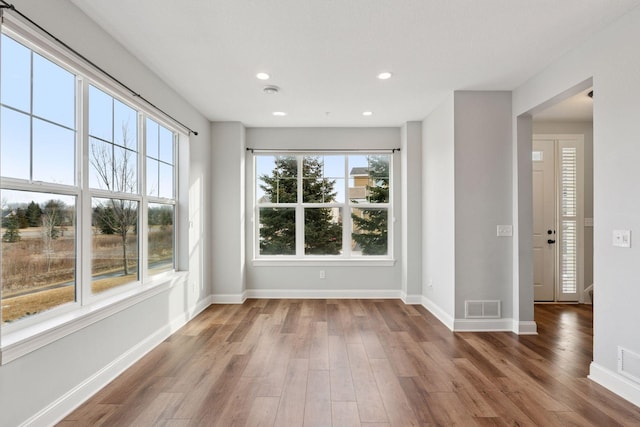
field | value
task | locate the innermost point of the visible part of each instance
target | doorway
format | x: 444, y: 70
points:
x: 558, y: 217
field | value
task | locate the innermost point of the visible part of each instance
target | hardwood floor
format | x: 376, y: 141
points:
x: 359, y: 363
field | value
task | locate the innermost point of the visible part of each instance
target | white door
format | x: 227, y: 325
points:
x: 544, y: 220
x: 558, y: 217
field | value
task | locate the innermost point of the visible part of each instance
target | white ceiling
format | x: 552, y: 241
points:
x: 325, y: 54
x: 578, y: 108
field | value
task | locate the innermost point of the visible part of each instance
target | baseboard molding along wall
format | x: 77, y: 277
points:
x: 438, y: 312
x: 66, y: 403
x: 483, y: 325
x: 323, y: 293
x: 615, y: 382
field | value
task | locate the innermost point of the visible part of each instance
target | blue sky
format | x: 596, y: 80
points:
x: 38, y: 129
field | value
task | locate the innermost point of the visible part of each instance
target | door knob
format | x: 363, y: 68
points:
x: 550, y: 241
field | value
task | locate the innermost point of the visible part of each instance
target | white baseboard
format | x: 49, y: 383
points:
x: 525, y: 327
x: 66, y: 403
x: 483, y: 325
x: 323, y: 293
x: 440, y: 314
x: 229, y: 298
x: 615, y: 382
x: 411, y: 299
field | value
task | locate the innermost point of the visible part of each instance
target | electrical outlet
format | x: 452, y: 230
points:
x: 322, y: 275
x: 505, y: 231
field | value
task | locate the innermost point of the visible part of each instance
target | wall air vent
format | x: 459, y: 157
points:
x: 482, y: 309
x: 629, y: 364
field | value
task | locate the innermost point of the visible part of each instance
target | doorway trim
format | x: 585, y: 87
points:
x: 523, y: 315
x: 561, y: 141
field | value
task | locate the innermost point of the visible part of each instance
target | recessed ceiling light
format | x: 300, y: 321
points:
x: 279, y: 113
x: 384, y: 76
x: 263, y: 76
x: 367, y: 113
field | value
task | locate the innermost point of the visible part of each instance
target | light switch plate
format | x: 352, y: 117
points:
x: 505, y: 231
x: 622, y: 238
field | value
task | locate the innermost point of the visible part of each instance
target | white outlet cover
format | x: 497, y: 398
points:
x: 505, y: 231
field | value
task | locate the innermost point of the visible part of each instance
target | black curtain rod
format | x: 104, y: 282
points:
x: 327, y: 150
x: 11, y: 7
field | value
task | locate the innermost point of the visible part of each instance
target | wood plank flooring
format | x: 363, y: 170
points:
x: 359, y: 363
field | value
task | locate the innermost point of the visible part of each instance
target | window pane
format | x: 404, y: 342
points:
x: 318, y: 186
x: 277, y: 231
x: 166, y: 181
x: 53, y: 153
x: 152, y: 138
x: 53, y: 92
x: 160, y: 237
x: 14, y: 144
x: 369, y: 178
x: 125, y: 125
x: 323, y: 231
x: 153, y: 186
x: 166, y: 145
x: 38, y: 252
x: 100, y: 114
x: 15, y: 74
x: 125, y: 166
x: 369, y: 231
x: 276, y: 179
x: 115, y: 243
x: 100, y: 161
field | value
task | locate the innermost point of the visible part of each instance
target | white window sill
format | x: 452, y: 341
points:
x: 315, y: 262
x: 18, y: 343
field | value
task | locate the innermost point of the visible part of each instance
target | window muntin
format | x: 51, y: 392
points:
x: 302, y: 202
x: 113, y: 142
x: 16, y: 74
x: 38, y: 252
x: 38, y: 134
x: 40, y: 102
x: 278, y: 179
x: 323, y: 179
x: 160, y: 160
x: 15, y: 150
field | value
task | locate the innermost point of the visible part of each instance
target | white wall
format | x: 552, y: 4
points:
x: 467, y: 169
x: 483, y: 198
x: 411, y: 161
x: 438, y: 212
x: 41, y: 380
x: 228, y: 188
x: 613, y: 61
x: 585, y: 129
x: 366, y: 280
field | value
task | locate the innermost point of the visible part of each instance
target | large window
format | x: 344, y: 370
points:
x: 322, y: 205
x: 72, y: 224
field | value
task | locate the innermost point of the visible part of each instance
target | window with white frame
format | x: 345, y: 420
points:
x: 322, y: 205
x: 57, y: 256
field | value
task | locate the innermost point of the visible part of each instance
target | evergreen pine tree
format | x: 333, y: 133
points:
x: 277, y: 225
x: 33, y: 214
x: 12, y: 229
x: 371, y: 227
